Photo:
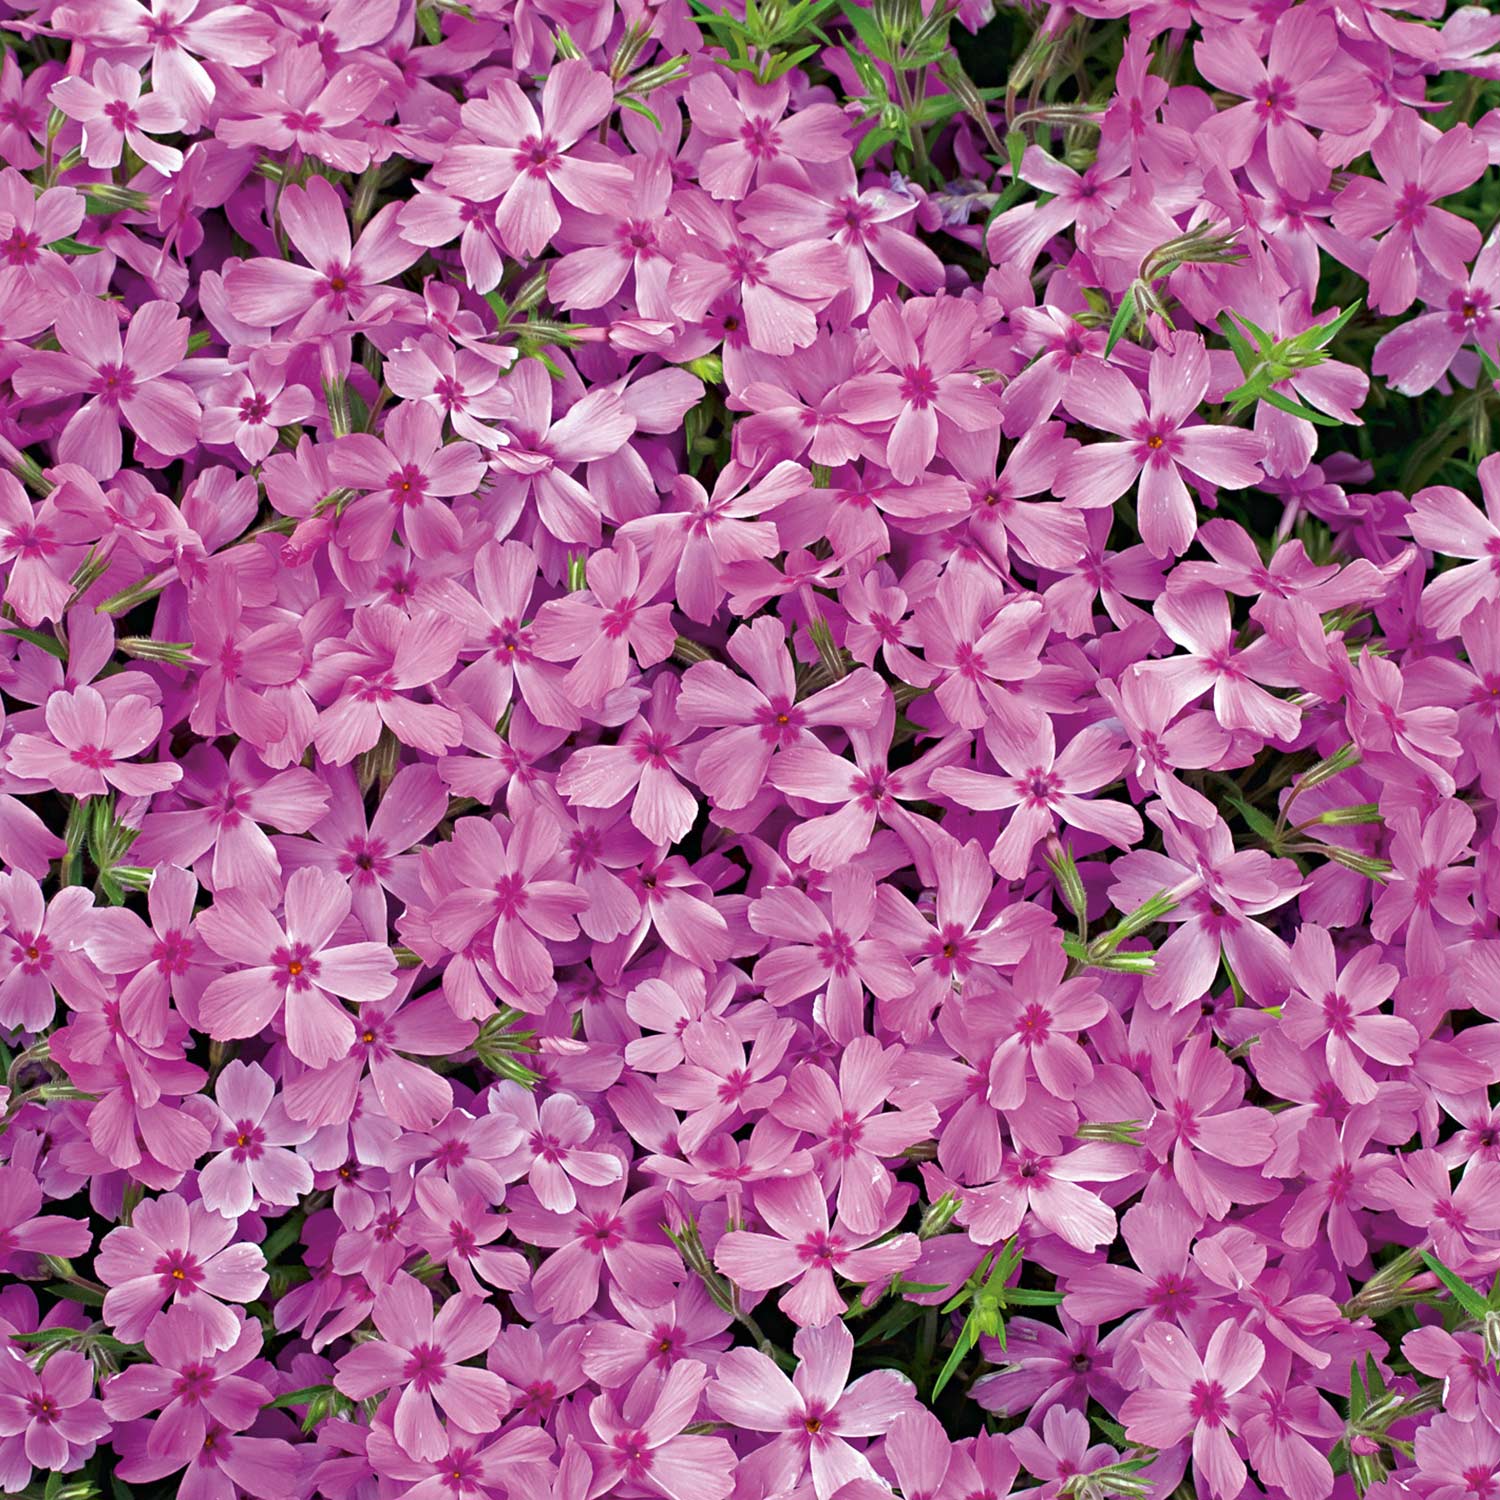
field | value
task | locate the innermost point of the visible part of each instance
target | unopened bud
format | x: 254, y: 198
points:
x: 1147, y: 914
x: 1343, y: 817
x: 1065, y: 872
x: 939, y: 1216
x: 143, y: 648
x: 1114, y: 1132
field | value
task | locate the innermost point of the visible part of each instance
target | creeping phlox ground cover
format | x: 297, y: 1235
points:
x: 749, y: 750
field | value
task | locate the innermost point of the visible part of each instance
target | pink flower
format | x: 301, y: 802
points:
x: 1463, y: 1220
x: 409, y: 473
x: 251, y: 1131
x: 1335, y: 1008
x: 750, y: 132
x: 462, y: 384
x: 605, y: 1234
x: 804, y: 1252
x: 177, y: 1251
x: 1445, y: 521
x: 642, y: 1443
x: 340, y: 281
x: 1197, y: 619
x: 424, y: 1356
x: 981, y: 643
x: 1286, y: 1433
x: 1457, y: 1459
x: 1417, y: 166
x: 1416, y: 355
x: 1157, y: 443
x: 43, y: 948
x: 49, y: 1418
x: 815, y: 1413
x: 525, y: 162
x: 290, y: 970
x: 1145, y: 702
x: 234, y: 798
x: 1061, y: 1452
x: 302, y: 105
x: 839, y: 952
x: 644, y: 766
x: 1304, y: 81
x: 851, y: 1134
x: 705, y: 534
x: 762, y: 718
x: 90, y: 742
x: 1048, y: 1187
x: 927, y: 342
x: 24, y: 1231
x: 1213, y: 1141
x: 511, y: 882
x: 124, y: 381
x: 555, y: 1134
x: 599, y: 628
x: 538, y: 462
x: 114, y: 115
x: 717, y: 1082
x: 691, y: 1326
x: 1036, y: 1013
x: 192, y: 1381
x: 23, y: 113
x: 778, y: 292
x: 389, y: 655
x: 1218, y: 889
x: 1427, y: 882
x: 1041, y: 786
x: 1188, y: 1394
x: 465, y: 1465
x: 371, y: 852
x: 41, y: 545
x: 249, y: 406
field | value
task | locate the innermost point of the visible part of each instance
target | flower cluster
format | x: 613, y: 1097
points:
x: 727, y: 771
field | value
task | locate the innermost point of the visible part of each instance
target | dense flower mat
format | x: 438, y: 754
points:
x: 749, y: 752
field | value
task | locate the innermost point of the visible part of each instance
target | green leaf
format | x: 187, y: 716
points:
x: 1121, y: 322
x: 1015, y: 149
x: 282, y: 1238
x: 1262, y: 338
x: 791, y: 60
x: 1297, y: 408
x: 1327, y: 332
x: 894, y: 1321
x: 1243, y: 352
x: 1358, y: 1398
x: 869, y: 33
x: 1463, y: 1294
x: 871, y: 143
x: 69, y: 246
x: 299, y: 1398
x: 1258, y: 822
x: 637, y: 108
x: 86, y: 1295
x: 1113, y: 1432
x: 966, y: 1342
x: 1025, y: 1296
x: 48, y: 643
